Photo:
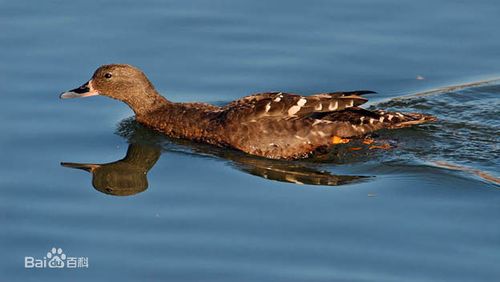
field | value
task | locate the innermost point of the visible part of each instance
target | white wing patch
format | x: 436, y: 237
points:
x: 301, y: 102
x: 333, y: 106
x: 296, y: 108
x: 293, y: 110
x: 268, y: 107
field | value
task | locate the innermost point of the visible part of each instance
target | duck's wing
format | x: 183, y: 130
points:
x: 282, y: 125
x: 287, y: 105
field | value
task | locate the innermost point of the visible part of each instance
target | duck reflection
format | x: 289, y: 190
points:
x: 128, y: 176
x: 124, y: 177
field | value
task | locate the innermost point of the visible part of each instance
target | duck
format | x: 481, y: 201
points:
x: 275, y: 125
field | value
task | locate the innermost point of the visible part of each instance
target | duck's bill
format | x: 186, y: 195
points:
x: 86, y: 90
x: 87, y: 167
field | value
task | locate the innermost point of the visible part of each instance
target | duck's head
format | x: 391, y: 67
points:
x: 121, y: 82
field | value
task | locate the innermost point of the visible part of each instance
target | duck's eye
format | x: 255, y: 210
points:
x: 108, y: 75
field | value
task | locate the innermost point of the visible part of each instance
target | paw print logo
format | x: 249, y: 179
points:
x: 56, y: 258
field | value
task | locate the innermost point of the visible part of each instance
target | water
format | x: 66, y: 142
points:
x: 425, y: 210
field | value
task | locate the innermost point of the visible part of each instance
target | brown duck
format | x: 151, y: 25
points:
x: 272, y: 125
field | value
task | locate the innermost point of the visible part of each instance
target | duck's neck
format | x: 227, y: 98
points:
x: 147, y: 102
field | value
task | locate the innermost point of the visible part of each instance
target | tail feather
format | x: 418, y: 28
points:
x: 359, y: 122
x: 393, y: 120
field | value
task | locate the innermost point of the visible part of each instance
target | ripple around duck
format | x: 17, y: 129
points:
x: 464, y: 139
x: 466, y: 135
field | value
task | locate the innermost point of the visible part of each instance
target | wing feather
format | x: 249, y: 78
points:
x: 288, y: 105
